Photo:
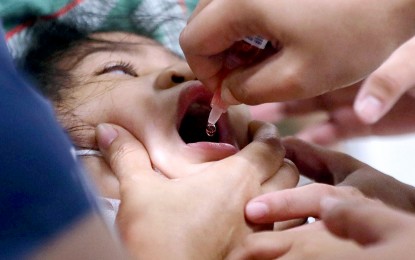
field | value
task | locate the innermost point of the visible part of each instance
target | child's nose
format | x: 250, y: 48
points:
x: 174, y: 75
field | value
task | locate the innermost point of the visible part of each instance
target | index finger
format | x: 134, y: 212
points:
x: 300, y: 202
x: 387, y: 84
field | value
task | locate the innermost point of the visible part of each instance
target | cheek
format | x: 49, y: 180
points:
x: 127, y: 106
x: 133, y: 115
x: 128, y: 111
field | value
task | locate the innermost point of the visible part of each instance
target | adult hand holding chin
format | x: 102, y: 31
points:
x: 200, y: 215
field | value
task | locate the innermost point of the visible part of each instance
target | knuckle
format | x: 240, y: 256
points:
x: 386, y: 84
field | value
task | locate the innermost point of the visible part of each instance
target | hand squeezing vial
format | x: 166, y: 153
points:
x: 241, y: 53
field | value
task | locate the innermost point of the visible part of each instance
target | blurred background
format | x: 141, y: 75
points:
x: 393, y: 155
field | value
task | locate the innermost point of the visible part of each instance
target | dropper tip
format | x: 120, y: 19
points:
x: 215, y: 114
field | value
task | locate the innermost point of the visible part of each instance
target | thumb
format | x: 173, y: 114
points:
x: 366, y: 222
x: 124, y: 153
x: 212, y: 31
x: 387, y: 84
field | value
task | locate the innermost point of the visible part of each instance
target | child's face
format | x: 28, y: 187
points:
x: 154, y: 95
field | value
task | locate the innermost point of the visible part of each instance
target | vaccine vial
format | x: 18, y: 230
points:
x: 241, y: 53
x: 218, y: 108
x: 245, y: 52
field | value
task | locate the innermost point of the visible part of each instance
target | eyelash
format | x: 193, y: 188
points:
x: 123, y: 66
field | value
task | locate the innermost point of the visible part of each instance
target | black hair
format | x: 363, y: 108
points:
x: 51, y: 42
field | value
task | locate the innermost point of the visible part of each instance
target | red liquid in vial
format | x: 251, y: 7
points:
x: 243, y: 53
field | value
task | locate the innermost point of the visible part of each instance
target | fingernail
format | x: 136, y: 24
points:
x: 106, y: 135
x: 369, y: 109
x: 256, y: 210
x: 328, y: 203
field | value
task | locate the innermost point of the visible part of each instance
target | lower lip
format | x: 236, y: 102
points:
x: 223, y: 149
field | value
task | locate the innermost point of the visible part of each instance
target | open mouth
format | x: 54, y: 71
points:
x: 193, y: 113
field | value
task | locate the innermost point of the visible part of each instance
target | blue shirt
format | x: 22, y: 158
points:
x: 42, y: 187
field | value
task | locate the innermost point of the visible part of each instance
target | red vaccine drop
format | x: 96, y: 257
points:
x: 210, y: 129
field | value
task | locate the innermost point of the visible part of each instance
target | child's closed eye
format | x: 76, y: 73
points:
x: 120, y: 68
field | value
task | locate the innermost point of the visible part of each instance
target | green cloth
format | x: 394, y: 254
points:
x: 14, y: 12
x: 162, y: 20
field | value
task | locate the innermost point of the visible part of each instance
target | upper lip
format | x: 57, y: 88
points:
x: 193, y: 111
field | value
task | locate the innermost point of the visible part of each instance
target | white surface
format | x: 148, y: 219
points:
x: 394, y: 156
